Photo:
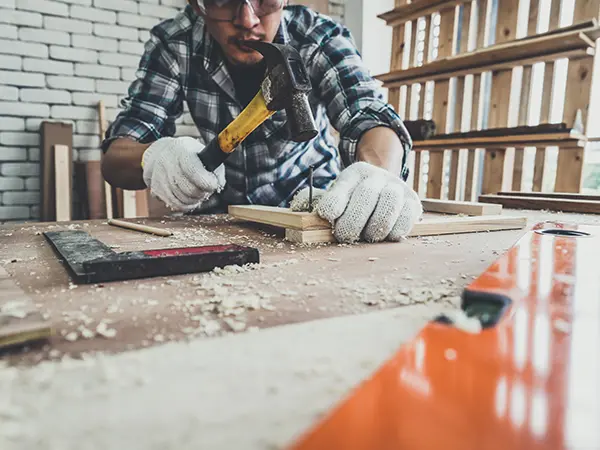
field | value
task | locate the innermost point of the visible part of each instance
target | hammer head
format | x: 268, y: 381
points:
x: 286, y: 86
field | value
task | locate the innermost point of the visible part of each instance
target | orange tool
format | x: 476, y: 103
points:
x: 529, y: 380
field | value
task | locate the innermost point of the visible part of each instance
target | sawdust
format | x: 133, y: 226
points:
x: 15, y: 308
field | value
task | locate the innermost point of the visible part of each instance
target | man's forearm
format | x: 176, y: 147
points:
x: 381, y: 147
x: 121, y: 164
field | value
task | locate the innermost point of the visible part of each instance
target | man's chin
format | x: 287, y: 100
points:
x: 243, y: 58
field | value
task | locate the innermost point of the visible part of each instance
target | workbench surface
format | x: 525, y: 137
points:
x: 292, y: 283
x: 192, y: 390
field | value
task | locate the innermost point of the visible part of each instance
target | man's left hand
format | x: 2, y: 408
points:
x: 369, y: 202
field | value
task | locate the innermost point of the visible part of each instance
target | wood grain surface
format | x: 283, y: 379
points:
x: 301, y: 282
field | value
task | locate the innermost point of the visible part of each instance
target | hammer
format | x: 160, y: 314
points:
x: 285, y: 86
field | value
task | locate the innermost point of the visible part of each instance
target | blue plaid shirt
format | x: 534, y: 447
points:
x: 182, y: 63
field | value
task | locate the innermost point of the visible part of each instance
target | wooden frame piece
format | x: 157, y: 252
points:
x: 460, y: 207
x: 279, y: 217
x: 545, y: 203
x: 108, y: 190
x: 519, y: 52
x: 52, y: 134
x: 310, y: 228
x: 428, y: 227
x: 63, y: 184
x: 416, y: 9
x: 558, y: 195
x: 570, y: 140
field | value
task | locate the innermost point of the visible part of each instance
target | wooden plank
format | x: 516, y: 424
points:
x: 417, y: 172
x: 20, y: 321
x: 441, y: 99
x: 413, y: 96
x: 585, y: 10
x: 95, y: 190
x: 280, y: 217
x: 63, y: 184
x: 528, y: 50
x: 397, y: 96
x: 52, y: 133
x: 469, y: 175
x: 435, y: 174
x: 559, y: 195
x: 427, y: 227
x: 579, y: 89
x: 460, y: 207
x: 417, y: 9
x: 564, y: 139
x: 517, y: 179
x: 499, y: 114
x: 569, y: 170
x: 453, y: 178
x: 545, y: 203
x: 129, y: 204
x: 538, y: 169
x: 493, y: 170
x: 108, y: 190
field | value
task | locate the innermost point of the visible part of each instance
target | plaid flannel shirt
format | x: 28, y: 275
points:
x: 182, y: 63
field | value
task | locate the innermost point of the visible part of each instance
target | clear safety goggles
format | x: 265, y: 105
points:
x: 230, y: 9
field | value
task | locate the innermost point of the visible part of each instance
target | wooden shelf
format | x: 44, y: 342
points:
x: 572, y: 42
x: 565, y: 140
x: 419, y: 8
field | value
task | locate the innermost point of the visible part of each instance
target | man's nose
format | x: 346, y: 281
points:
x: 246, y: 17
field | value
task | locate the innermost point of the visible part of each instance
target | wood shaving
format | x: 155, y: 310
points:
x: 72, y: 336
x: 103, y: 330
x: 14, y: 308
x: 234, y: 324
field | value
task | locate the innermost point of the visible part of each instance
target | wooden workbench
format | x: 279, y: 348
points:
x: 294, y: 283
x: 243, y: 390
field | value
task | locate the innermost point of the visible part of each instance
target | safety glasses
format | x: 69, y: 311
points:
x: 228, y: 10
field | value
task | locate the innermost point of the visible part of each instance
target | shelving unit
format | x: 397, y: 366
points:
x: 468, y: 66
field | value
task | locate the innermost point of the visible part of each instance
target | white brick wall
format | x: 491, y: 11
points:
x: 58, y: 58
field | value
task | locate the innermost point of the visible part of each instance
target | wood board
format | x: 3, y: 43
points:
x: 559, y: 195
x: 52, y: 133
x: 520, y: 140
x: 460, y: 207
x: 511, y: 53
x: 63, y: 176
x: 434, y: 226
x: 279, y: 217
x: 20, y: 320
x: 545, y: 203
x: 309, y: 227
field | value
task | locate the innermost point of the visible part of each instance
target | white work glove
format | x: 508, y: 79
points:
x: 174, y: 173
x: 366, y: 202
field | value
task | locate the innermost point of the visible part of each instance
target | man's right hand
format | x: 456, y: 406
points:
x: 174, y: 173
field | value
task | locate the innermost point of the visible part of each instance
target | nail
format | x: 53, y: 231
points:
x: 310, y: 188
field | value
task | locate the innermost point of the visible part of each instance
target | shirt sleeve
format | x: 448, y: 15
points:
x: 154, y: 100
x: 354, y: 99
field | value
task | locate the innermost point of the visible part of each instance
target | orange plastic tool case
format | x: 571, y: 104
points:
x: 529, y: 380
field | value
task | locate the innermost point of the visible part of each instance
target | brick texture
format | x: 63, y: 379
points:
x: 58, y: 58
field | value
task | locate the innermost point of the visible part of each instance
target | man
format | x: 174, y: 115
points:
x: 199, y: 58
